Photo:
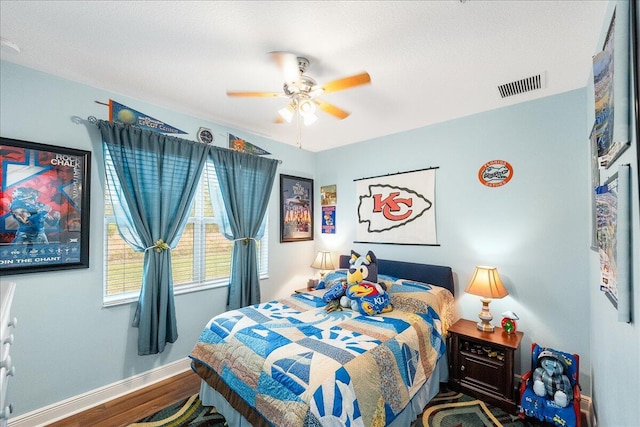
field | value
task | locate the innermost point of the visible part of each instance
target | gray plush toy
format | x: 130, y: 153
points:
x: 550, y: 381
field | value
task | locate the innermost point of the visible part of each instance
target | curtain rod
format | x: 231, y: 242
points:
x: 398, y: 173
x: 94, y: 120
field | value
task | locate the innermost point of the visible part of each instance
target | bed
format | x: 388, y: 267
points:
x: 290, y: 363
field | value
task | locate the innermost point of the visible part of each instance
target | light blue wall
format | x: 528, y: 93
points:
x: 534, y: 229
x: 615, y: 346
x: 66, y: 343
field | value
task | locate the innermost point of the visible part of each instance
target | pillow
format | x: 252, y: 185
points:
x: 331, y: 278
x: 405, y: 285
x: 386, y: 281
x: 416, y: 297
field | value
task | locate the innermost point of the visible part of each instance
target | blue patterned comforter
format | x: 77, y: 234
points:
x: 298, y: 365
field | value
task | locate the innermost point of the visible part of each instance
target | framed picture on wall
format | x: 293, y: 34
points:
x: 296, y: 208
x: 616, y: 141
x: 635, y: 63
x: 44, y: 208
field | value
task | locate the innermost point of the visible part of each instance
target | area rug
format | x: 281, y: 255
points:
x: 453, y: 409
x: 447, y: 409
x: 188, y: 412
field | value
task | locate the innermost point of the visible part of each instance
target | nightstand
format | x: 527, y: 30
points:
x: 303, y: 290
x: 482, y: 363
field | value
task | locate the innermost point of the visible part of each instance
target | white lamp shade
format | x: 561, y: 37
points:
x: 309, y: 119
x: 323, y: 261
x: 287, y: 113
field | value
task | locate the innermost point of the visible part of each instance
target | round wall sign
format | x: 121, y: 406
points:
x: 205, y: 136
x: 495, y: 173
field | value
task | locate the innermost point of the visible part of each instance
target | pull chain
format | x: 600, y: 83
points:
x: 298, y: 131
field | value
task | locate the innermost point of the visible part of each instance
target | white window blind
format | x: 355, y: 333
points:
x: 202, y: 258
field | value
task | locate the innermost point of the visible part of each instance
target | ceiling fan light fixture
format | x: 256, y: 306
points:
x: 315, y: 92
x: 309, y: 119
x: 287, y: 112
x: 306, y: 107
x: 304, y: 92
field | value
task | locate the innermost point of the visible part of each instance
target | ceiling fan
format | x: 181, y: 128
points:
x: 303, y: 91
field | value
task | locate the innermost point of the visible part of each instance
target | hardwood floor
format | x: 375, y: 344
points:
x: 133, y: 406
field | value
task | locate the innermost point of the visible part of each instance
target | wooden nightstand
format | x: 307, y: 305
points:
x: 481, y: 364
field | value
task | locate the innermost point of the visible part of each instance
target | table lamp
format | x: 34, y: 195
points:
x: 323, y: 262
x: 486, y: 283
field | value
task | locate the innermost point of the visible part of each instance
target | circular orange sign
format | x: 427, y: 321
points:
x: 495, y: 173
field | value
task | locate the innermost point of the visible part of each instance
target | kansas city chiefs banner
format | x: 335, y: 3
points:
x: 397, y: 208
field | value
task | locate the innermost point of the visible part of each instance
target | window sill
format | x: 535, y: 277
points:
x: 132, y: 297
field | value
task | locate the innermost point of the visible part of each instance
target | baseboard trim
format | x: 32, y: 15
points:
x: 586, y: 408
x: 74, y: 405
x: 82, y: 402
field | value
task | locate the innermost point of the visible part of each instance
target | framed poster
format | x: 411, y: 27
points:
x: 615, y: 141
x: 328, y: 195
x: 614, y: 234
x: 635, y: 72
x: 44, y: 207
x: 595, y: 183
x: 329, y: 219
x: 328, y: 200
x: 296, y: 208
x: 603, y: 84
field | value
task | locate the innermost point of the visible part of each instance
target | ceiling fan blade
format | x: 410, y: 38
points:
x: 256, y: 94
x: 346, y: 82
x: 331, y: 109
x: 288, y: 65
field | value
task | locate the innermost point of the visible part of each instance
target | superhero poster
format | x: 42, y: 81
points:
x: 44, y: 207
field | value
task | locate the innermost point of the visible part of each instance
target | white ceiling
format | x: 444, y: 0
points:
x: 429, y: 61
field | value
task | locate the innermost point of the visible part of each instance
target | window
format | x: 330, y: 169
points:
x: 201, y: 260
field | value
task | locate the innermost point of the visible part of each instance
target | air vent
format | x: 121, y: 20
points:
x: 521, y: 86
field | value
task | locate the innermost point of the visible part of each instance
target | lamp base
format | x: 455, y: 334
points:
x: 485, y: 317
x: 485, y: 326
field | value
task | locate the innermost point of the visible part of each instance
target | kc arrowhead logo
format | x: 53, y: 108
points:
x: 386, y: 207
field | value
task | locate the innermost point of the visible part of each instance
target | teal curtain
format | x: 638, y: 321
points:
x: 245, y: 182
x: 153, y: 179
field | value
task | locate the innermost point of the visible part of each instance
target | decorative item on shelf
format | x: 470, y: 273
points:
x: 509, y: 322
x: 486, y: 283
x: 312, y: 284
x: 323, y: 262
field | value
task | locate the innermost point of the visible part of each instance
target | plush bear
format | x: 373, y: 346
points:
x: 360, y: 292
x: 550, y: 381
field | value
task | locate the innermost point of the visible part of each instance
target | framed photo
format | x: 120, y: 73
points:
x: 634, y: 20
x: 615, y: 144
x: 44, y: 207
x: 328, y: 195
x: 296, y: 208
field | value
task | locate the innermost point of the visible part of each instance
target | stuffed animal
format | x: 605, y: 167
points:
x: 368, y: 298
x: 550, y: 381
x: 360, y: 292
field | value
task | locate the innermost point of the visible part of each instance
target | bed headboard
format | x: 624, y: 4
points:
x: 433, y: 274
